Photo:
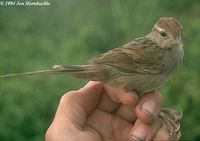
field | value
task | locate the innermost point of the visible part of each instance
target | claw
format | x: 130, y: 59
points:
x: 171, y: 119
x: 178, y: 128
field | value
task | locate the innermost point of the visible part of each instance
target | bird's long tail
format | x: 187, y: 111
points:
x: 79, y: 71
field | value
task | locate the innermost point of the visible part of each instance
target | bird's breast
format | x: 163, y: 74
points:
x: 173, y: 58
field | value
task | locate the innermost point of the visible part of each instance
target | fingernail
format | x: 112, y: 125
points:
x: 138, y: 134
x: 149, y: 109
x: 135, y: 138
x: 134, y: 94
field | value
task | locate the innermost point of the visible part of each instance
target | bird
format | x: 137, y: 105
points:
x: 142, y: 65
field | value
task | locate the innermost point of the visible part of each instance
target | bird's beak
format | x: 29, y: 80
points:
x: 179, y: 39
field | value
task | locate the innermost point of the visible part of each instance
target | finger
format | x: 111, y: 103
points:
x: 73, y: 109
x: 139, y: 131
x: 126, y: 112
x: 148, y: 108
x: 89, y: 96
x: 113, y: 98
x: 106, y: 104
x: 76, y: 105
x: 121, y: 96
x: 108, y: 126
x: 154, y: 130
x: 163, y: 134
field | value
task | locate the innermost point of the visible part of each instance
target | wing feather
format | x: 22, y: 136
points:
x: 141, y: 55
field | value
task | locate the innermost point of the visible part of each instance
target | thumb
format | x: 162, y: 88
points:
x: 83, y: 101
x: 73, y: 109
x: 89, y: 96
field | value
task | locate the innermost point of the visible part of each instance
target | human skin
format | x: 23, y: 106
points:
x: 100, y: 113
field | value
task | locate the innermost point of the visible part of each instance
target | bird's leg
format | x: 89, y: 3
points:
x: 171, y: 119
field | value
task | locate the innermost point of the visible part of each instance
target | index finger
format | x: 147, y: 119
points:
x: 112, y: 98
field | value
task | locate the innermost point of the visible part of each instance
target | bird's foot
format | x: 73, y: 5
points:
x: 171, y: 119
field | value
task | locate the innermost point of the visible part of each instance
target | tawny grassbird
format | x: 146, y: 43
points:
x: 142, y: 65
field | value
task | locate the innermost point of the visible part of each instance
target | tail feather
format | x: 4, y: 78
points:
x: 80, y: 71
x: 41, y: 72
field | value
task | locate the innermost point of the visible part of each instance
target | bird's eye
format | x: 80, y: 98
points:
x: 163, y: 34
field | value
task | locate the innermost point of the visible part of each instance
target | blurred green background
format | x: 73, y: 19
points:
x: 73, y: 31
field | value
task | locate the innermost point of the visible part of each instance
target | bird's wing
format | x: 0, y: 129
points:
x: 141, y: 55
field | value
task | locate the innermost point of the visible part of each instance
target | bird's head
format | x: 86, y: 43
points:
x: 167, y: 32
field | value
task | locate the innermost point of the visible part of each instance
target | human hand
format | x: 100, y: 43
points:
x: 99, y: 113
